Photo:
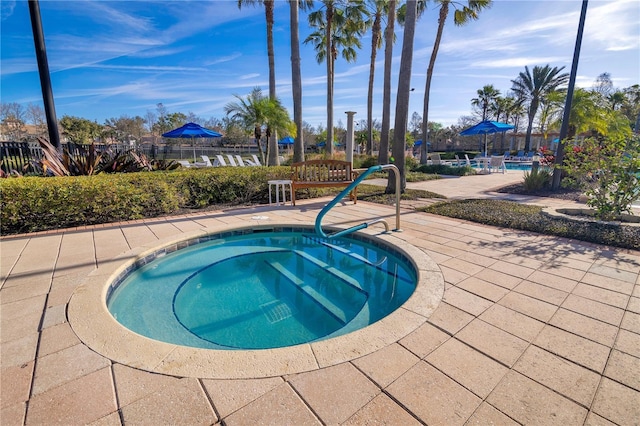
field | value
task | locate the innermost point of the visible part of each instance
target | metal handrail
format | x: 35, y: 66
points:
x: 348, y: 189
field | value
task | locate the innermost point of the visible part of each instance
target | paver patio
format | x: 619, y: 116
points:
x: 531, y: 329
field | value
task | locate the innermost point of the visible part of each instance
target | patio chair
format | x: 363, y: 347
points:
x: 240, y: 161
x: 468, y: 161
x: 250, y: 163
x: 497, y: 163
x: 437, y: 161
x: 220, y: 161
x: 184, y: 163
x: 517, y: 157
x: 256, y: 160
x: 232, y: 161
x: 207, y: 161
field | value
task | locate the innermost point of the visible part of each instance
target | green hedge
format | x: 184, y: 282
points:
x: 32, y: 204
x: 509, y: 214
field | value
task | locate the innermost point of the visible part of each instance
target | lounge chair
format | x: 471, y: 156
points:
x: 206, y: 160
x: 232, y: 161
x: 437, y: 161
x: 468, y: 161
x: 518, y: 156
x: 240, y: 161
x: 459, y: 161
x: 256, y: 160
x: 497, y: 163
x: 220, y: 161
x: 184, y: 163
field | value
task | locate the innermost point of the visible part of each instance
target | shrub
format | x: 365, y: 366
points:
x: 537, y: 179
x: 513, y: 215
x: 32, y: 204
x: 608, y: 170
x: 442, y: 169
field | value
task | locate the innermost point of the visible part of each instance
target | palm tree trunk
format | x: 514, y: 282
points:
x: 329, y: 59
x: 557, y: 175
x: 383, y: 155
x: 296, y: 82
x: 402, y: 100
x: 375, y: 40
x: 533, y: 108
x: 444, y: 12
x: 273, y: 139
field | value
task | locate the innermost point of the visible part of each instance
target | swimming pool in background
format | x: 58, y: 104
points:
x: 260, y: 289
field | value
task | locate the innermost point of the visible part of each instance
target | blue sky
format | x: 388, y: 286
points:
x: 113, y: 58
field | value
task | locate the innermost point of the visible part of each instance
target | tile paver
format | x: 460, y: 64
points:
x: 382, y: 410
x: 583, y: 326
x: 492, y: 341
x: 449, y: 318
x: 624, y: 368
x: 512, y: 322
x: 505, y: 345
x: 565, y: 377
x: 280, y: 406
x: 473, y: 370
x: 529, y: 402
x: 231, y: 395
x: 80, y: 401
x: 386, y: 365
x: 582, y: 351
x: 489, y: 415
x: 335, y: 393
x: 433, y: 397
x: 617, y: 403
x: 424, y: 340
x: 184, y: 403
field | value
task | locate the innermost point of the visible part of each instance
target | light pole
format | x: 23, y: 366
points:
x: 557, y: 173
x: 43, y: 70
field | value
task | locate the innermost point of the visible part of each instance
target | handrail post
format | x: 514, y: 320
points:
x: 396, y: 172
x: 356, y: 182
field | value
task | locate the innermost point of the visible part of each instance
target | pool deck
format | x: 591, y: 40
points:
x: 531, y: 329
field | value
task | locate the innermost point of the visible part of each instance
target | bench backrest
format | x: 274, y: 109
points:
x: 322, y: 171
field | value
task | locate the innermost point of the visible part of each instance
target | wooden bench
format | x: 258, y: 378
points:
x: 322, y: 174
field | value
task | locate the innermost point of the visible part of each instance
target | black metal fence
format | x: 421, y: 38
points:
x: 20, y: 156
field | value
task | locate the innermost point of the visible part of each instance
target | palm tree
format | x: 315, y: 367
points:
x: 402, y: 99
x: 461, y: 17
x: 338, y: 31
x: 272, y: 147
x: 258, y: 111
x: 631, y: 106
x: 588, y: 115
x: 378, y: 7
x: 534, y: 87
x: 550, y: 111
x: 296, y: 78
x: 383, y: 155
x: 487, y: 97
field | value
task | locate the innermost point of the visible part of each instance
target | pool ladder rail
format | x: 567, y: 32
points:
x: 341, y: 195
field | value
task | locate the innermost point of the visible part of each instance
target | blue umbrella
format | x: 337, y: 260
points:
x: 286, y: 141
x: 486, y: 127
x: 191, y: 131
x: 419, y: 142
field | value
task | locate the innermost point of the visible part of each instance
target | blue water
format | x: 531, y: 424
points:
x: 262, y: 290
